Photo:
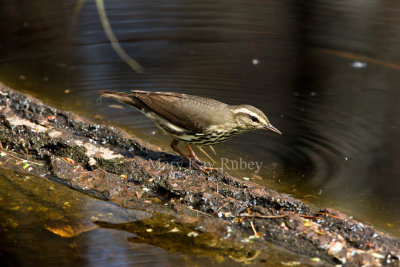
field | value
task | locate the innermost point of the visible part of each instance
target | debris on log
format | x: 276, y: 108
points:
x: 109, y: 164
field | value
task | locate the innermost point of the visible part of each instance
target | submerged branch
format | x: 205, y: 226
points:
x: 113, y: 39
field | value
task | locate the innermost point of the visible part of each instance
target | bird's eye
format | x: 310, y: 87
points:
x: 254, y: 119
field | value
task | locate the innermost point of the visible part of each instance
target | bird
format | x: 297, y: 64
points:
x: 193, y: 119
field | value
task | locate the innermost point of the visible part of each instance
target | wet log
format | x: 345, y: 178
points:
x: 110, y: 164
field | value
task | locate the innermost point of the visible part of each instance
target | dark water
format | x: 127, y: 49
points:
x: 326, y: 74
x: 46, y: 224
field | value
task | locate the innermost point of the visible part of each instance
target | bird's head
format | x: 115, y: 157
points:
x: 250, y: 118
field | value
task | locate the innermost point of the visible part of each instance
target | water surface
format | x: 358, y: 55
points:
x: 326, y: 74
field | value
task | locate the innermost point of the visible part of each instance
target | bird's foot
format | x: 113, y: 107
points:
x: 192, y: 158
x: 196, y: 165
x: 209, y: 168
x: 204, y: 168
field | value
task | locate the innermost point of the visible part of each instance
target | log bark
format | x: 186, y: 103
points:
x: 109, y: 164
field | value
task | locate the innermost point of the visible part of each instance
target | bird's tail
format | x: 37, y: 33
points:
x: 127, y: 98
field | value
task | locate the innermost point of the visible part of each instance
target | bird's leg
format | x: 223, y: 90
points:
x: 192, y: 154
x: 174, y: 146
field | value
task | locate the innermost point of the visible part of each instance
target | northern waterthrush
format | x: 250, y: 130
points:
x: 193, y: 119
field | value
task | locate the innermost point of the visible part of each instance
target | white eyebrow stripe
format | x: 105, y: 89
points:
x: 245, y: 111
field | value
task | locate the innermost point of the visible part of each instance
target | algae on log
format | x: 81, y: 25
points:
x: 109, y: 164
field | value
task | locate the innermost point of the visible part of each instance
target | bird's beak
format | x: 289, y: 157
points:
x: 272, y: 128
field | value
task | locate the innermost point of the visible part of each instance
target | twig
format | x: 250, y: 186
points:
x: 223, y: 206
x: 18, y: 158
x: 370, y: 60
x: 330, y: 215
x: 254, y: 229
x: 311, y: 217
x: 77, y: 11
x: 199, y: 211
x: 261, y: 216
x: 246, y: 259
x: 113, y: 39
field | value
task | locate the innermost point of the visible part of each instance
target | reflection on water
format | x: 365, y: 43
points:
x: 48, y: 224
x: 325, y: 73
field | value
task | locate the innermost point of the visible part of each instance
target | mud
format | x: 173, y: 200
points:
x: 240, y: 215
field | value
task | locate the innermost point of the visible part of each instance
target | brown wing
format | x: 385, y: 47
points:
x: 183, y: 110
